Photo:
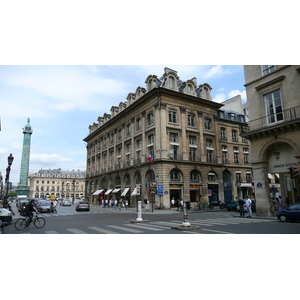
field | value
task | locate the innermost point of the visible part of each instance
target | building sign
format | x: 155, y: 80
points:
x: 160, y: 189
x: 259, y: 185
x: 286, y: 159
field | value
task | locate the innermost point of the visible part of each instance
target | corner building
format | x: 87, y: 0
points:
x: 273, y: 96
x: 195, y: 145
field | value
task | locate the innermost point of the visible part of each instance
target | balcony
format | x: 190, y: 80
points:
x: 289, y: 120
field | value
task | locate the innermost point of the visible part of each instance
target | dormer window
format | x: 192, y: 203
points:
x: 267, y: 69
x: 171, y: 82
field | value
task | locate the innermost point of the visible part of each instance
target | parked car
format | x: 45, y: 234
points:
x: 231, y: 204
x: 66, y: 202
x: 43, y: 206
x: 83, y: 205
x: 290, y: 213
x: 5, y: 215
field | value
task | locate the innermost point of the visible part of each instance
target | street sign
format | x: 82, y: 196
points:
x: 160, y: 189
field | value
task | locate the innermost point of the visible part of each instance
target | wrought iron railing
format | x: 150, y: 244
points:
x: 286, y: 116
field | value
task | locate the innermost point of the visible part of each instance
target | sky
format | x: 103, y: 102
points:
x: 63, y: 100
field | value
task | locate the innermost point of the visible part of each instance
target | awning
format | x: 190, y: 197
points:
x: 115, y: 191
x: 270, y: 176
x: 134, y: 193
x: 125, y: 192
x: 97, y: 192
x: 108, y: 192
x: 243, y: 184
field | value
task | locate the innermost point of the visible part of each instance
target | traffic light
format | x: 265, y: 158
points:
x: 292, y: 172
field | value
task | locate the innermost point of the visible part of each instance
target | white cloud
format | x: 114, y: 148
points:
x: 48, y: 158
x: 216, y: 72
x: 220, y: 98
x: 237, y: 92
x: 67, y: 106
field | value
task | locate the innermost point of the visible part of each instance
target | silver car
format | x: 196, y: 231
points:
x: 66, y: 202
x: 43, y: 206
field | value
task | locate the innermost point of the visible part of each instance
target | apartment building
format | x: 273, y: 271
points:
x: 168, y: 139
x: 64, y: 184
x: 273, y: 96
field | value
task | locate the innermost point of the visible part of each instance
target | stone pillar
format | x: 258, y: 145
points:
x: 262, y: 192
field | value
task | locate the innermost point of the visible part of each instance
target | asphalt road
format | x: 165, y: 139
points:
x: 107, y: 221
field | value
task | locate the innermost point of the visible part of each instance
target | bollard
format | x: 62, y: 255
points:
x: 139, y: 207
x: 185, y: 223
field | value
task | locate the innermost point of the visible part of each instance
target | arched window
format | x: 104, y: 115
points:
x: 150, y: 175
x: 194, y: 176
x: 175, y: 175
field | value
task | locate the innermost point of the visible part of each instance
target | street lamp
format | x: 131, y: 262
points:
x: 73, y: 182
x: 10, y: 160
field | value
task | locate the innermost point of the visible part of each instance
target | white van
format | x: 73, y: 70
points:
x: 21, y: 198
x: 5, y: 215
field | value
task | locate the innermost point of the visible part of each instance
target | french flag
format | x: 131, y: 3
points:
x: 150, y: 157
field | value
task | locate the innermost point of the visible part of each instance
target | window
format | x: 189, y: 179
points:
x: 209, y: 155
x: 175, y: 175
x: 194, y: 176
x: 232, y: 116
x: 171, y: 82
x: 128, y: 130
x: 173, y: 137
x: 267, y: 69
x: 223, y: 134
x: 138, y: 144
x: 192, y: 140
x: 246, y: 155
x: 173, y: 152
x: 138, y: 124
x: 248, y: 177
x: 224, y: 154
x: 211, y: 177
x: 150, y: 119
x: 274, y: 107
x: 236, y: 155
x: 207, y: 124
x: 172, y: 116
x: 119, y: 135
x: 150, y: 139
x: 235, y: 136
x: 238, y: 177
x: 191, y: 120
x: 112, y: 139
x: 192, y: 154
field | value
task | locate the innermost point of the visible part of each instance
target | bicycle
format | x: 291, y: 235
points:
x: 37, y: 221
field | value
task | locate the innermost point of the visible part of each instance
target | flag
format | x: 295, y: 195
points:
x: 150, y: 157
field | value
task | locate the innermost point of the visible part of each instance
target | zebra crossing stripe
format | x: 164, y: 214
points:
x: 125, y: 229
x: 76, y: 231
x: 102, y: 230
x: 51, y: 232
x: 144, y: 227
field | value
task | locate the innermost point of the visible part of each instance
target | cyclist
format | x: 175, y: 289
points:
x: 29, y: 212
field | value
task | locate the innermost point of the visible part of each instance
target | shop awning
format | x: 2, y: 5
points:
x: 134, y: 193
x: 108, y: 192
x: 97, y: 192
x: 244, y: 184
x: 125, y: 192
x: 115, y: 191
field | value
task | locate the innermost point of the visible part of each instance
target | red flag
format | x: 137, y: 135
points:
x: 150, y: 157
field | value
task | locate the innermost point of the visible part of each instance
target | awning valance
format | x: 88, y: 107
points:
x: 134, y: 193
x: 125, y: 192
x: 108, y: 192
x: 97, y: 192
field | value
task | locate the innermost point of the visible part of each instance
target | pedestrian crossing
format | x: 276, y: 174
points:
x: 158, y: 227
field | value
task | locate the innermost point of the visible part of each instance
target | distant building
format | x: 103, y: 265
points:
x: 65, y: 184
x: 168, y: 140
x: 273, y: 96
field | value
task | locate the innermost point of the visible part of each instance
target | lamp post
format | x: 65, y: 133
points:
x: 10, y: 160
x: 73, y: 183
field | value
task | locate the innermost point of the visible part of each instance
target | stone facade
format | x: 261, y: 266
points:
x: 197, y: 152
x: 273, y: 96
x: 57, y: 182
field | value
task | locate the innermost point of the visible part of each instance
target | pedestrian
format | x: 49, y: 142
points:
x: 172, y: 203
x: 115, y: 204
x: 279, y: 203
x: 241, y: 203
x: 106, y: 203
x: 248, y: 206
x: 147, y: 202
x: 9, y: 207
x: 178, y: 205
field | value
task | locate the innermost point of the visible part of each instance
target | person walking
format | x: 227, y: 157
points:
x: 172, y: 203
x: 241, y: 203
x: 126, y: 204
x: 248, y: 206
x: 9, y: 207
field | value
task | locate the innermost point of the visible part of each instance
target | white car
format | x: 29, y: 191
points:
x: 66, y: 202
x: 5, y: 215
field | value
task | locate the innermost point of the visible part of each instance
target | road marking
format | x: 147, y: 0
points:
x: 126, y: 229
x: 217, y: 231
x: 51, y: 232
x: 76, y: 231
x: 102, y: 230
x: 144, y: 226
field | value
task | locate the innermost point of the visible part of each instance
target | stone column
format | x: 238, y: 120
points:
x: 262, y: 192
